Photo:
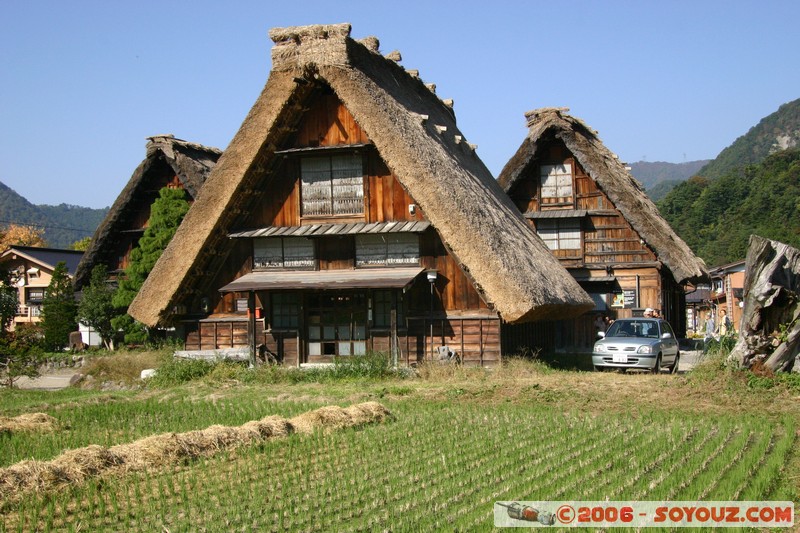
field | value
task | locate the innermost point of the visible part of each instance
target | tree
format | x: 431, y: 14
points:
x: 96, y: 309
x: 59, y: 310
x: 81, y: 245
x: 166, y: 215
x: 8, y: 301
x: 20, y: 353
x: 21, y: 236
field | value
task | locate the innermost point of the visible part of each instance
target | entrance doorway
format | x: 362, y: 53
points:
x: 336, y: 324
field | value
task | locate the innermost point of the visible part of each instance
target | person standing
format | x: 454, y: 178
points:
x: 723, y: 324
x: 710, y: 327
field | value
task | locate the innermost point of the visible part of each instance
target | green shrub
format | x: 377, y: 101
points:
x: 789, y: 380
x: 723, y: 344
x: 177, y: 371
x: 370, y: 365
x: 230, y: 371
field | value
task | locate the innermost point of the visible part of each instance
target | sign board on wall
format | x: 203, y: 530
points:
x: 624, y: 299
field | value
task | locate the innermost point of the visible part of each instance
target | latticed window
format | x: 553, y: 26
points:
x: 387, y: 249
x: 332, y: 185
x: 285, y: 309
x: 382, y: 309
x: 560, y: 233
x: 288, y: 252
x: 556, y: 180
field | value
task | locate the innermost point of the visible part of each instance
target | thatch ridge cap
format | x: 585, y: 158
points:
x: 160, y: 141
x: 309, y: 32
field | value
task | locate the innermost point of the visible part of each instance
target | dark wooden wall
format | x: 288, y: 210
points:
x: 607, y: 238
x: 329, y: 123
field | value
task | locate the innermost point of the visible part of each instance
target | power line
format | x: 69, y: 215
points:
x: 45, y: 227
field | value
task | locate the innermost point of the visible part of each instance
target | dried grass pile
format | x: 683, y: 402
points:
x: 75, y: 466
x: 335, y: 417
x: 28, y: 422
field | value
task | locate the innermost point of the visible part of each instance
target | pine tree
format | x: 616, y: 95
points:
x: 8, y: 301
x: 96, y: 309
x: 59, y: 310
x: 166, y: 215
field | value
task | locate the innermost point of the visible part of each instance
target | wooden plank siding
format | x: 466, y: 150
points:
x: 475, y: 339
x: 606, y: 237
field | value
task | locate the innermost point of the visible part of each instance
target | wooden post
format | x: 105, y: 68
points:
x: 393, y: 329
x: 251, y: 328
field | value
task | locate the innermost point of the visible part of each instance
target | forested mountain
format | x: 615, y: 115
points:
x: 717, y: 216
x: 659, y: 191
x: 651, y: 174
x: 658, y: 177
x: 63, y: 224
x: 753, y: 186
x: 776, y: 132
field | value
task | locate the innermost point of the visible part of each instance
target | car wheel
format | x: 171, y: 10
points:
x: 657, y: 367
x: 674, y: 368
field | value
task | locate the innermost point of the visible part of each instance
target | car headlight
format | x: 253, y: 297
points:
x: 600, y: 348
x: 645, y: 349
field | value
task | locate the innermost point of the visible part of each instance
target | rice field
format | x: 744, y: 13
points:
x: 440, y: 464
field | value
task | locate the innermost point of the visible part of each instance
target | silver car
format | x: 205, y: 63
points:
x: 640, y: 343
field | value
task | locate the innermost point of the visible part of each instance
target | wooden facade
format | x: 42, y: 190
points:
x: 409, y: 319
x: 597, y: 245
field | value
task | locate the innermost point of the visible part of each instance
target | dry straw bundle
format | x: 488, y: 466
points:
x: 27, y: 422
x: 75, y: 466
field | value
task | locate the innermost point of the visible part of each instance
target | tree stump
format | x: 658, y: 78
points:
x: 76, y: 342
x: 770, y: 330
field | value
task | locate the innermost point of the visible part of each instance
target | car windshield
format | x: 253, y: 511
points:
x: 633, y: 328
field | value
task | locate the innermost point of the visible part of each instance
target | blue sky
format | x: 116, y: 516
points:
x: 83, y: 83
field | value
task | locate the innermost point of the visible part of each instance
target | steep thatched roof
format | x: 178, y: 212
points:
x: 416, y: 135
x: 613, y: 179
x: 191, y: 162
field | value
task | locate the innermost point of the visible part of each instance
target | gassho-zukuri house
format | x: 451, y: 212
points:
x: 350, y: 214
x: 168, y: 162
x: 599, y: 223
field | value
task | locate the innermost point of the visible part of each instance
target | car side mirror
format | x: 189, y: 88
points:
x: 601, y: 334
x: 666, y: 335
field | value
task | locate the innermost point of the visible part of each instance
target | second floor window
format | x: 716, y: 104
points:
x: 387, y: 249
x: 288, y: 252
x: 556, y: 180
x: 35, y: 296
x: 560, y: 233
x: 332, y: 185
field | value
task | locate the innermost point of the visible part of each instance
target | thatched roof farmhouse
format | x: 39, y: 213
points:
x: 597, y: 219
x: 613, y: 179
x: 328, y: 98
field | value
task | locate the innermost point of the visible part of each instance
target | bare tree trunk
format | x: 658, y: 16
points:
x: 770, y: 330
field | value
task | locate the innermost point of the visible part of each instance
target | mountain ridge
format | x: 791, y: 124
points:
x: 63, y: 224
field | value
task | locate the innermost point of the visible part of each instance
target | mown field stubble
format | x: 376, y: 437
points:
x: 459, y: 439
